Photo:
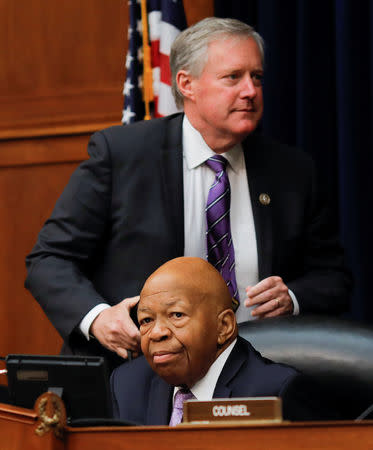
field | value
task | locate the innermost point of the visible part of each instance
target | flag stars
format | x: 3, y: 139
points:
x: 129, y: 59
x: 127, y: 115
x: 140, y: 54
x: 127, y: 87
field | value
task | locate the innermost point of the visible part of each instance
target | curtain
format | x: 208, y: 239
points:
x: 318, y: 94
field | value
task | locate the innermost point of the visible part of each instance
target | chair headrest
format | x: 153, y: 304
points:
x: 336, y: 352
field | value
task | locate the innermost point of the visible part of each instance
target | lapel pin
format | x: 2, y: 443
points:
x: 264, y: 199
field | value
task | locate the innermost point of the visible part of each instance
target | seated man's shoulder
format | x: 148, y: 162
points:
x: 132, y: 375
x: 303, y: 398
x: 130, y: 387
x: 268, y: 376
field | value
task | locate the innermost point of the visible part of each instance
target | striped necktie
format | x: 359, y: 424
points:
x: 220, y: 251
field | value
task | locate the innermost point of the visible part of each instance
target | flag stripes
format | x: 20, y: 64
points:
x: 166, y: 18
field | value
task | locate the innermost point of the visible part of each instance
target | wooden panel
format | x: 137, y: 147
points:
x: 64, y: 65
x: 25, y: 152
x: 18, y: 430
x: 32, y: 176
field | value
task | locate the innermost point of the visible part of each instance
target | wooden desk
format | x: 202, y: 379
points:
x: 338, y: 436
x: 17, y: 432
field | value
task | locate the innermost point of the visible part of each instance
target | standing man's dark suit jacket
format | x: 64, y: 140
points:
x: 141, y: 396
x: 121, y: 216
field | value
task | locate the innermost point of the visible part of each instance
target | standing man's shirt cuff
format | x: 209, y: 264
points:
x: 88, y: 319
x: 295, y: 303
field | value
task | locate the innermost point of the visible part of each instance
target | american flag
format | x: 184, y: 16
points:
x: 166, y: 18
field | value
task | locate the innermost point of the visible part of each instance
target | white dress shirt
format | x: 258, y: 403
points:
x: 198, y: 178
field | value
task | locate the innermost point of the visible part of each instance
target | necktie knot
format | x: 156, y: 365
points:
x: 217, y: 163
x: 180, y: 397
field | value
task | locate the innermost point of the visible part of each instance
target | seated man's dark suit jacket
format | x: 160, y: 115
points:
x: 141, y: 396
x: 122, y: 215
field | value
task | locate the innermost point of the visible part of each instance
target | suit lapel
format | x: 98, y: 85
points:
x: 230, y: 370
x: 172, y: 180
x: 260, y: 183
x: 159, y: 404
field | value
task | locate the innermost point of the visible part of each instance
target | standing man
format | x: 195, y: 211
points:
x: 195, y: 184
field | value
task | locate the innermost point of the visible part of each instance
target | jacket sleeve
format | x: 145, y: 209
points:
x: 58, y: 266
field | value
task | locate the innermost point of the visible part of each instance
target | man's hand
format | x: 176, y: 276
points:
x: 271, y: 296
x: 115, y: 329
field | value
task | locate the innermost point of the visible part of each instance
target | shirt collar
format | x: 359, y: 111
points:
x: 204, y: 388
x: 196, y: 151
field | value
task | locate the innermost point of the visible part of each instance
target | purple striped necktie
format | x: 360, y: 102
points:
x: 177, y: 413
x: 220, y: 251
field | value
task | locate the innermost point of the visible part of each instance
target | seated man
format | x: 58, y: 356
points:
x: 190, y: 342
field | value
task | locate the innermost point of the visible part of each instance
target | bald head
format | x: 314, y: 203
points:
x: 186, y: 319
x: 191, y: 275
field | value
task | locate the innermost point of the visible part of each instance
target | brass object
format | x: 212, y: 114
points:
x: 264, y: 199
x: 51, y: 414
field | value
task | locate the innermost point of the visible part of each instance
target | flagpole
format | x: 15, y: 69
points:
x: 147, y: 71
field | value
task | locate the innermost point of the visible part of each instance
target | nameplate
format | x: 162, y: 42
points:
x: 249, y: 409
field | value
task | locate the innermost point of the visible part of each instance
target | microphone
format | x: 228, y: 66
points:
x: 364, y: 414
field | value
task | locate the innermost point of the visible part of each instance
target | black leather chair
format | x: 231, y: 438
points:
x: 336, y: 353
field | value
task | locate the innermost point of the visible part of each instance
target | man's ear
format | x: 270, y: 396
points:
x: 184, y: 83
x: 227, y: 326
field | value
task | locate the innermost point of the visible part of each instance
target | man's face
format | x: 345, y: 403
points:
x: 227, y: 98
x: 178, y: 334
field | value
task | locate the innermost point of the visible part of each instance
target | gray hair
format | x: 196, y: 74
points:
x: 189, y: 50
